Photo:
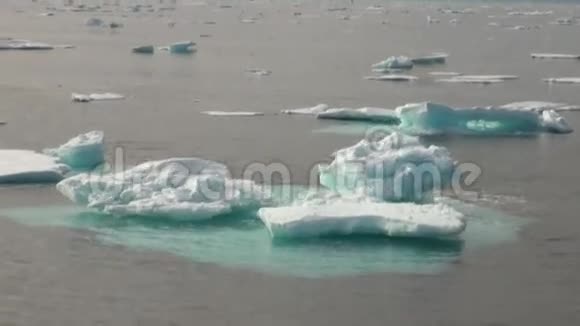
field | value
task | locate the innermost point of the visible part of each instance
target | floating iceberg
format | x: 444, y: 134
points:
x: 259, y: 72
x: 96, y: 97
x: 85, y: 151
x: 362, y: 114
x: 24, y: 45
x: 233, y: 113
x: 540, y: 106
x: 22, y: 166
x: 185, y: 47
x: 431, y: 119
x: 401, y: 62
x: 395, y: 168
x: 308, y: 111
x: 392, y: 77
x: 445, y: 73
x: 354, y: 218
x: 555, y: 56
x: 435, y: 58
x: 190, y: 189
x: 479, y: 79
x: 563, y: 80
x: 145, y: 49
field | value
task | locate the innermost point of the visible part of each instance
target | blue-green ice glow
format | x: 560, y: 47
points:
x: 240, y: 241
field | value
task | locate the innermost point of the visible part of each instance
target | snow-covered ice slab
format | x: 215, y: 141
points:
x: 563, y: 80
x: 388, y: 219
x: 430, y: 118
x: 314, y: 110
x: 392, y: 77
x: 393, y: 62
x: 435, y: 58
x: 362, y: 114
x: 85, y: 151
x: 540, y: 106
x: 554, y: 56
x: 190, y: 189
x: 233, y: 113
x: 96, y: 97
x: 23, y: 166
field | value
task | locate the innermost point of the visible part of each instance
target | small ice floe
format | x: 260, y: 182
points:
x: 523, y: 27
x: 392, y: 77
x: 563, y: 80
x: 432, y: 20
x: 46, y: 14
x: 400, y: 62
x: 85, y: 151
x: 362, y: 114
x: 530, y: 13
x: 434, y: 58
x: 65, y: 46
x: 23, y: 166
x: 185, y: 47
x: 343, y: 217
x: 565, y: 21
x: 249, y: 20
x: 96, y: 97
x: 307, y: 111
x: 479, y: 79
x: 466, y: 11
x: 539, y: 106
x: 144, y: 49
x: 259, y: 72
x: 554, y: 56
x: 94, y: 22
x: 233, y: 113
x: 24, y: 45
x: 444, y: 73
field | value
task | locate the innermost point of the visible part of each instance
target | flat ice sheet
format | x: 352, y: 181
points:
x: 233, y: 113
x: 24, y: 166
x: 555, y: 56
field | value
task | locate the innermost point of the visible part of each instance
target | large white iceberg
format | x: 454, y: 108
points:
x: 362, y: 114
x: 85, y: 151
x: 430, y: 118
x: 190, y: 189
x: 363, y: 218
x: 400, y: 62
x: 23, y: 166
x: 394, y: 168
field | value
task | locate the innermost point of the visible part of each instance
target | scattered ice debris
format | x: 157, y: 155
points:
x: 445, y: 73
x: 479, y: 79
x: 307, y: 111
x: 363, y: 114
x: 233, y: 113
x: 145, y: 49
x: 185, y: 47
x: 96, y: 97
x: 540, y: 106
x: 400, y: 62
x: 432, y: 119
x: 434, y: 58
x: 94, y: 22
x: 189, y: 189
x: 343, y: 217
x: 85, y: 151
x: 563, y: 80
x: 393, y: 168
x: 392, y: 77
x: 555, y: 56
x: 259, y: 72
x: 23, y: 166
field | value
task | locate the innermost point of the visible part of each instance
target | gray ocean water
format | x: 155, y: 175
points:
x: 61, y: 276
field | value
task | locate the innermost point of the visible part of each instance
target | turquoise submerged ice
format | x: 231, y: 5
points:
x: 189, y: 189
x: 430, y: 118
x: 395, y: 168
x: 85, y: 151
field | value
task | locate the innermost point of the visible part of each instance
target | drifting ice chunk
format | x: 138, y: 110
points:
x: 540, y: 106
x: 145, y: 49
x: 182, y: 47
x: 233, y: 113
x: 22, y: 166
x: 563, y: 80
x: 393, y: 169
x: 178, y: 188
x: 96, y: 97
x: 554, y: 56
x: 392, y: 77
x: 429, y: 118
x: 85, y: 151
x: 479, y: 79
x: 344, y: 218
x: 401, y: 62
x: 362, y: 114
x: 445, y: 73
x: 94, y: 22
x: 435, y: 58
x: 259, y: 72
x: 307, y: 111
x: 24, y: 45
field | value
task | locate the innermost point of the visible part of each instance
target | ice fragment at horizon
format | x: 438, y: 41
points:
x: 393, y: 62
x: 362, y: 114
x: 554, y: 56
x: 233, y: 113
x: 392, y: 77
x: 145, y: 49
x: 24, y: 166
x: 85, y: 151
x: 182, y: 47
x: 307, y: 111
x: 563, y: 80
x: 96, y: 97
